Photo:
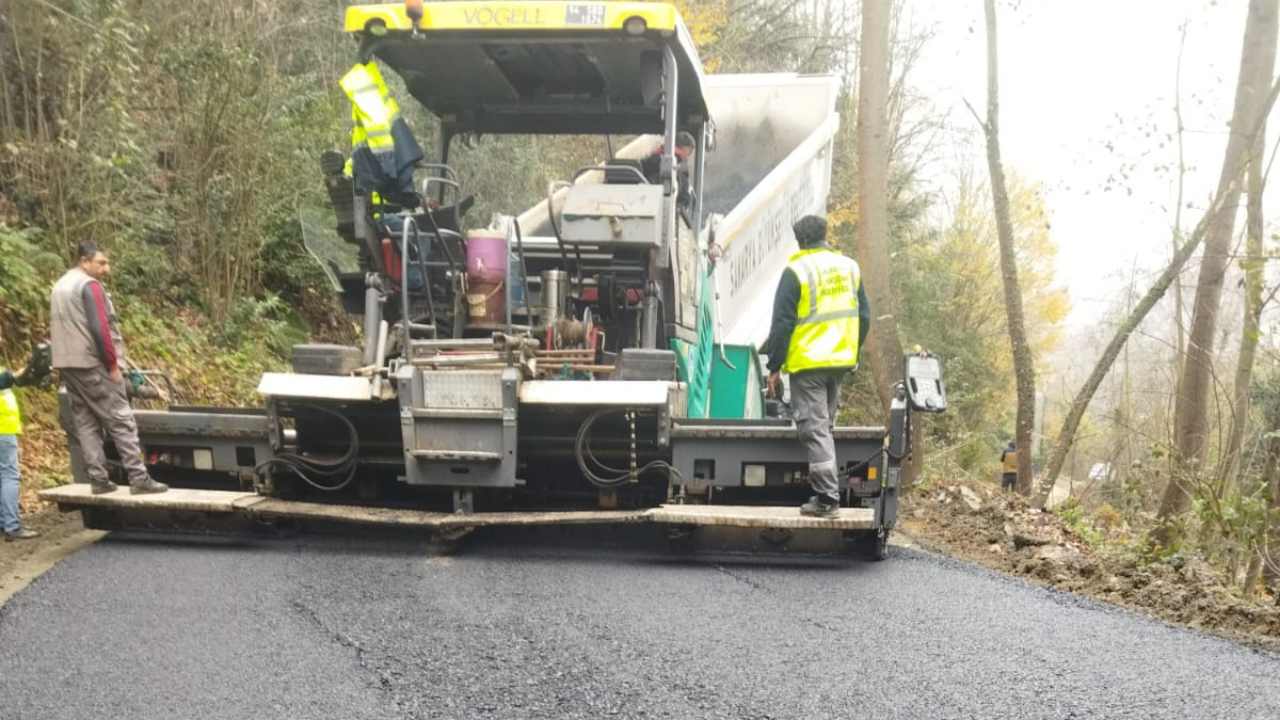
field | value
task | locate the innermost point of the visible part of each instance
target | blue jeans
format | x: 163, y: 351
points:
x: 9, y: 483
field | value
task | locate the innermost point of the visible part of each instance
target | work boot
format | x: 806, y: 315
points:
x: 822, y: 507
x: 101, y: 488
x: 148, y: 486
x: 20, y: 534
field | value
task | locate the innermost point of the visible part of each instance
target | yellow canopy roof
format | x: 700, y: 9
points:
x: 537, y: 67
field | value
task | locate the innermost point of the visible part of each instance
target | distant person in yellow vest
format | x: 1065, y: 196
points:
x: 1009, y: 458
x: 10, y: 477
x: 820, y: 319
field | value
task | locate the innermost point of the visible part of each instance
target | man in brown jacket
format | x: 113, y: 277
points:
x: 1009, y: 463
x: 87, y: 352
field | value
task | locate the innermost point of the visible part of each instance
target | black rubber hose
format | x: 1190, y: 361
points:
x: 301, y: 466
x: 619, y: 477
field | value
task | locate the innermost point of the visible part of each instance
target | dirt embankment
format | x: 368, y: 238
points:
x: 999, y: 530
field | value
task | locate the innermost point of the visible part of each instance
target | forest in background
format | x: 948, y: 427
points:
x: 185, y: 138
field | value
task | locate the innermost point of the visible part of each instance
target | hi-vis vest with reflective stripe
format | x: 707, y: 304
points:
x: 10, y: 419
x: 375, y: 118
x: 826, y: 332
x: 384, y: 151
x: 372, y: 111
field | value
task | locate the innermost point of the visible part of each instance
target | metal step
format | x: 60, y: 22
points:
x: 475, y: 456
x: 457, y: 413
x: 459, y: 425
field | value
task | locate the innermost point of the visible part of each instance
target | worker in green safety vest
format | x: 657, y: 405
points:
x: 820, y: 318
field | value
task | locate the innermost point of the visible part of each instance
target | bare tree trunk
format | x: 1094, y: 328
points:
x: 1191, y: 416
x: 1270, y: 550
x: 884, y: 349
x: 1023, y: 363
x: 1269, y: 545
x: 1066, y: 436
x: 1254, y: 266
x: 1177, y: 237
x: 1250, y: 588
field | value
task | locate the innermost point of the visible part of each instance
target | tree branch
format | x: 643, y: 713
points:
x: 986, y: 130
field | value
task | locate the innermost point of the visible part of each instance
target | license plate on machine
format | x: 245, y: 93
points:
x: 589, y: 14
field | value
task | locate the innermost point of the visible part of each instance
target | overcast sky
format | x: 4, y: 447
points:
x: 1087, y: 90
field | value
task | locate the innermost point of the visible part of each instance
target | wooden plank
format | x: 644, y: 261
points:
x: 567, y: 517
x: 761, y: 517
x: 222, y: 501
x: 78, y: 495
x: 428, y: 519
x: 356, y: 514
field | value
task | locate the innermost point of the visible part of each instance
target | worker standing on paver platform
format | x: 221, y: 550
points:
x: 88, y: 351
x: 820, y: 318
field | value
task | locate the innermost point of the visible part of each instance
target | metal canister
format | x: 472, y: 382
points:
x: 555, y: 290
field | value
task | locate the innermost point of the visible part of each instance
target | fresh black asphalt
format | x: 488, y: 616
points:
x: 589, y: 624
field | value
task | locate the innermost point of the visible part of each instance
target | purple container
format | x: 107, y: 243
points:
x: 486, y: 271
x: 486, y: 256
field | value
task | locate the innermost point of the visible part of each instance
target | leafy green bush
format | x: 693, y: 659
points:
x: 1072, y: 514
x: 271, y: 323
x: 25, y: 268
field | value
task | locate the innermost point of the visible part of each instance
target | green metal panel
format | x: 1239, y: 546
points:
x: 736, y: 390
x: 723, y: 381
x: 733, y: 392
x: 693, y: 361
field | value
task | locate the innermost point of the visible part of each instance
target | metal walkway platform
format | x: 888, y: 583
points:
x: 222, y: 502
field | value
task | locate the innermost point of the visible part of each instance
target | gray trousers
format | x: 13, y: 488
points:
x: 815, y: 398
x: 99, y: 407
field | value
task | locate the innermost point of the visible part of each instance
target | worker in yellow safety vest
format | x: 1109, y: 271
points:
x: 383, y: 148
x: 820, y: 318
x: 1009, y: 461
x: 10, y: 429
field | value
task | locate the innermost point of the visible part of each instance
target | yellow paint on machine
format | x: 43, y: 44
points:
x: 569, y: 16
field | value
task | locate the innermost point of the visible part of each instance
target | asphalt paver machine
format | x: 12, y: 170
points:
x: 592, y: 358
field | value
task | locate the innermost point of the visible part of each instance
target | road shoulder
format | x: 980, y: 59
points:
x: 997, y: 530
x: 22, y: 561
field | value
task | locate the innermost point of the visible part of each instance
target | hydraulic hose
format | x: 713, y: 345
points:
x: 613, y: 478
x: 305, y: 467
